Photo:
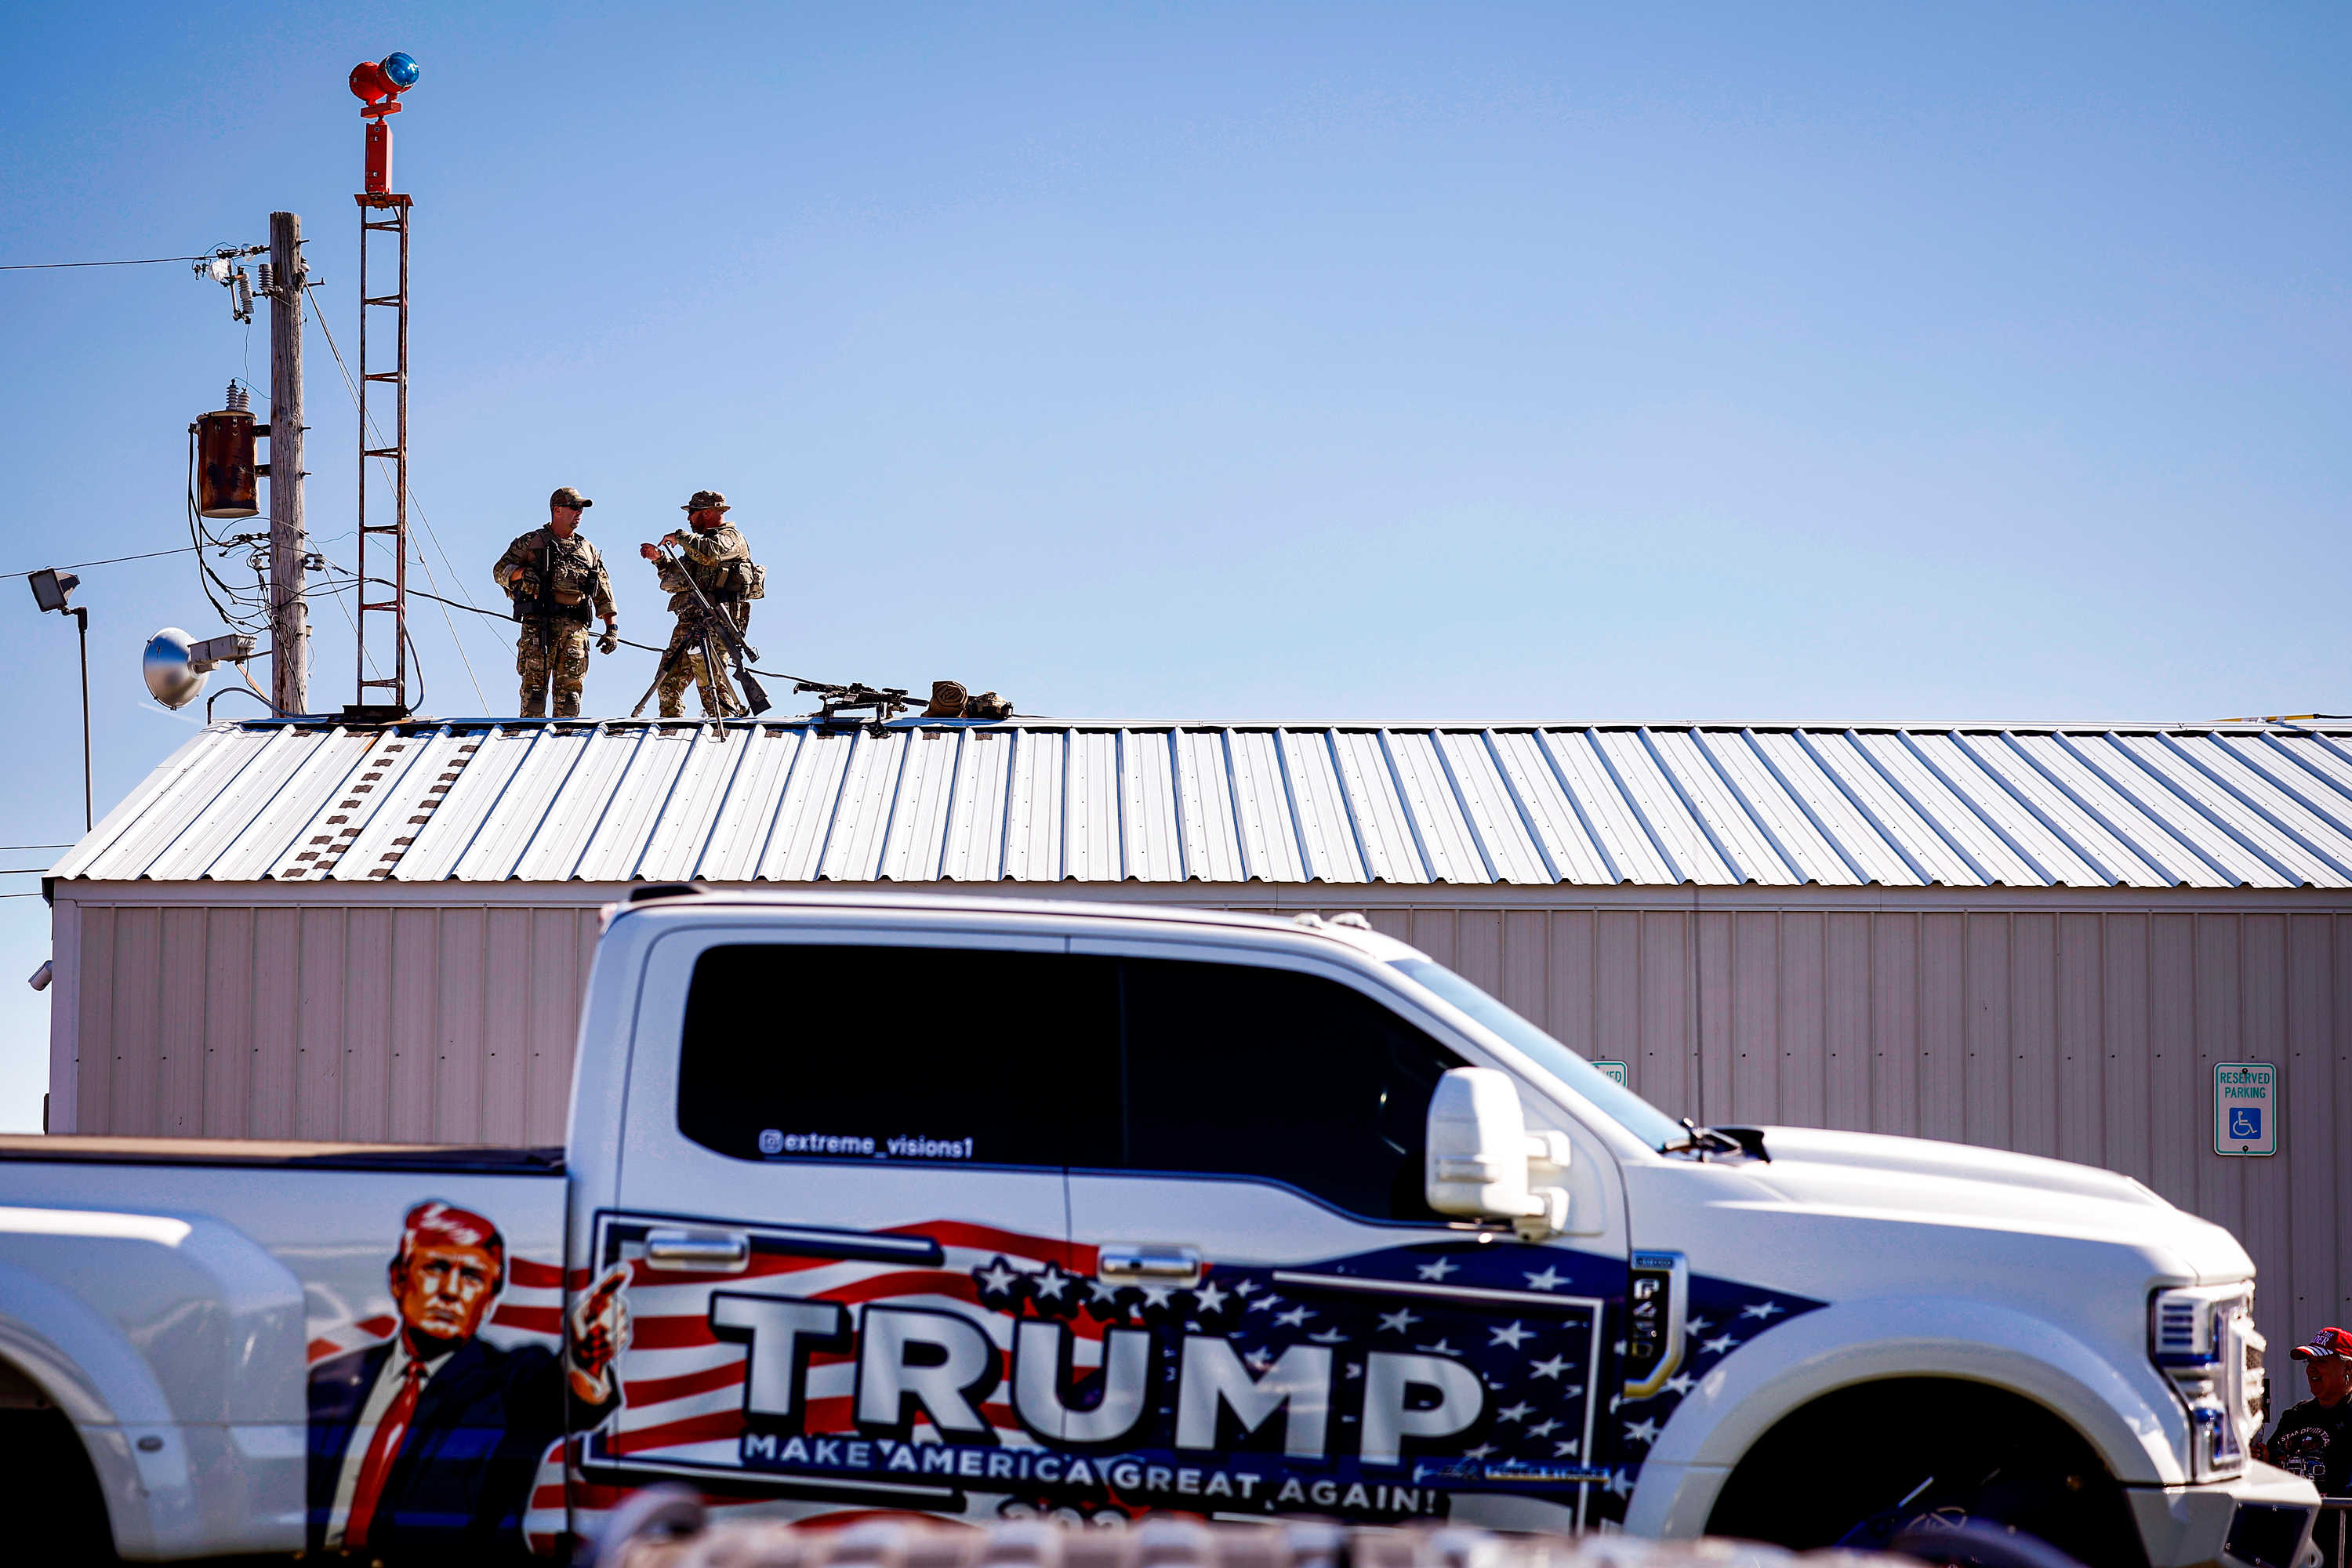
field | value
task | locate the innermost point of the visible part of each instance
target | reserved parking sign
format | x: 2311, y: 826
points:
x: 2246, y: 1106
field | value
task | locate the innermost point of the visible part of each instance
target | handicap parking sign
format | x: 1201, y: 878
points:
x: 2246, y: 1107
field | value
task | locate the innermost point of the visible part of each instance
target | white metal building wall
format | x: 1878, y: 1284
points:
x: 2082, y: 1023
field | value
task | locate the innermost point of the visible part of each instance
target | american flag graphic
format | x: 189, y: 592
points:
x: 1534, y: 1324
x: 1539, y: 1327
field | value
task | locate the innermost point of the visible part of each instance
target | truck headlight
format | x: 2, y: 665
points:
x: 2203, y: 1338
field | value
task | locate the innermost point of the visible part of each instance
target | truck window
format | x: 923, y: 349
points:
x: 1231, y: 1069
x: 922, y: 1055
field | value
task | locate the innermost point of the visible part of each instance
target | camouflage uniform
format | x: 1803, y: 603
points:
x: 705, y: 557
x: 569, y: 581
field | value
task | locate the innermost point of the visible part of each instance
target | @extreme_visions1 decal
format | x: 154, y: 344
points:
x: 959, y: 1369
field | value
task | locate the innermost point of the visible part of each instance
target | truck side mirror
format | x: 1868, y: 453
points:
x: 1481, y: 1154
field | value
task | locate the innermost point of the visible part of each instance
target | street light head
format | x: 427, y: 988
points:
x: 399, y: 70
x: 50, y: 587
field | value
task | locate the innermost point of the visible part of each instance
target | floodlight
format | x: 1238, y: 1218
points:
x: 50, y: 587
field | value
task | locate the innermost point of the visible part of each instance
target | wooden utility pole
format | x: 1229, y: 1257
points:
x: 289, y: 628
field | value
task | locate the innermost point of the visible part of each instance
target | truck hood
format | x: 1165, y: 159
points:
x: 1868, y: 1175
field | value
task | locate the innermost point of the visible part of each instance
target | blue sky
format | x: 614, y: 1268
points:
x: 1515, y: 363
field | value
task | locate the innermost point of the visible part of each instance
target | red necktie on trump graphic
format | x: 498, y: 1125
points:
x: 383, y: 1448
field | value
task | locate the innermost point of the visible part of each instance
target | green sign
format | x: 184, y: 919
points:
x: 1618, y: 1072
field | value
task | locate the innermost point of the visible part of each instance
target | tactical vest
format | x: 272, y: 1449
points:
x: 576, y: 584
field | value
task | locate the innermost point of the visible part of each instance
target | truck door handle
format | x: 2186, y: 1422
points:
x: 1156, y: 1265
x: 713, y: 1251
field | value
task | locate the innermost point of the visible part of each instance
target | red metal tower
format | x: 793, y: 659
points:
x: 383, y: 211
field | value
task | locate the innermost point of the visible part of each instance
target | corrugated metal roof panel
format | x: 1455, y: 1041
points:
x: 1033, y: 801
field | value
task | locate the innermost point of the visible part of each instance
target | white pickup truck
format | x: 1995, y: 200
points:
x: 981, y: 1208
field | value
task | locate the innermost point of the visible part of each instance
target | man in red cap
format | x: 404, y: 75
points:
x: 2314, y: 1439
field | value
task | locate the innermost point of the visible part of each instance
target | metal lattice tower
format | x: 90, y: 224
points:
x: 381, y: 212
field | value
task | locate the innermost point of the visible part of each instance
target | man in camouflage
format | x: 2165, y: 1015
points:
x: 712, y: 553
x: 555, y: 579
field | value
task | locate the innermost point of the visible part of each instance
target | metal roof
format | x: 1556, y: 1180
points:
x: 1046, y: 801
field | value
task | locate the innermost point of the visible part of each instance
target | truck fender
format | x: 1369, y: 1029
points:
x: 2131, y: 1426
x: 175, y: 1345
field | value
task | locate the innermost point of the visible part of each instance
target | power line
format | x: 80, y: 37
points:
x: 4, y: 847
x: 142, y: 261
x: 111, y: 560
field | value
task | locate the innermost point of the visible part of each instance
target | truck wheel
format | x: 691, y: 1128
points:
x: 48, y: 1494
x: 1857, y: 1466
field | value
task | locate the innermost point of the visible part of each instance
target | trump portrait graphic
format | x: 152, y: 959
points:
x: 430, y: 1437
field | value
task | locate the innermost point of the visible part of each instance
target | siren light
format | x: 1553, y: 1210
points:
x: 377, y: 83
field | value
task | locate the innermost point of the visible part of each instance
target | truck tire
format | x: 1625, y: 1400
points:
x: 1849, y: 1467
x: 48, y: 1494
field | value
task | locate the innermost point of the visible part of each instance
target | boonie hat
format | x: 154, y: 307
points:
x: 2333, y: 1345
x: 707, y: 501
x: 567, y: 495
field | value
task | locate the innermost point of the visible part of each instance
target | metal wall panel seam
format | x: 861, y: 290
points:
x: 833, y: 814
x: 2079, y: 850
x: 646, y: 839
x: 1324, y: 800
x: 1919, y: 810
x: 1681, y: 873
x: 583, y: 755
x: 1233, y: 805
x: 890, y: 812
x: 208, y: 752
x: 1730, y: 863
x: 379, y: 836
x: 1461, y: 804
x: 1378, y: 820
x: 757, y: 743
x: 1862, y: 809
x: 483, y: 836
x: 1176, y: 788
x: 2330, y: 861
x: 1796, y: 867
x: 1861, y: 879
x: 1306, y: 850
x: 2269, y: 739
x: 1004, y: 829
x: 1542, y: 739
x: 2327, y: 744
x: 489, y: 773
x: 268, y: 825
x: 161, y: 818
x: 2114, y: 829
x: 1411, y: 818
x: 961, y: 736
x: 1119, y: 779
x: 1526, y: 817
x: 2228, y: 879
x: 1069, y: 750
x: 222, y: 798
x: 1969, y: 799
x: 2292, y: 879
x: 776, y: 814
x: 1346, y: 803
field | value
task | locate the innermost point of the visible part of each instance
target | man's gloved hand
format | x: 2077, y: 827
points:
x: 610, y: 642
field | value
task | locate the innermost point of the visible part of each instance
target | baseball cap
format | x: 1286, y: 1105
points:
x: 2333, y: 1345
x: 707, y: 501
x: 567, y: 495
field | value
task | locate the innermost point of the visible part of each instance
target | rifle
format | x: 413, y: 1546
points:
x: 888, y: 702
x: 728, y: 633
